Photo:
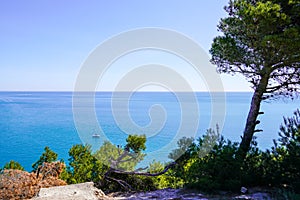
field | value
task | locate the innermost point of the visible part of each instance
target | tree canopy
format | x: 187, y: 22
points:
x: 261, y: 41
x: 108, y: 153
x: 13, y: 165
x: 261, y: 38
x: 47, y: 156
x: 83, y: 166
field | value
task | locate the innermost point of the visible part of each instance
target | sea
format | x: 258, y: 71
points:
x: 29, y: 121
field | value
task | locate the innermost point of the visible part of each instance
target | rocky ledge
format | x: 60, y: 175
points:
x: 88, y: 191
x: 17, y: 184
x: 80, y: 191
x: 46, y: 185
x: 178, y: 194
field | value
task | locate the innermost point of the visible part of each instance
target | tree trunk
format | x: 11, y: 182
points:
x: 252, y: 117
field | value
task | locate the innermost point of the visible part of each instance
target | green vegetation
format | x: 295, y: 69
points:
x: 110, y: 167
x: 47, y: 156
x: 167, y: 180
x: 221, y: 169
x: 120, y: 164
x: 83, y: 166
x: 13, y: 165
x: 261, y: 41
x: 122, y: 158
x: 113, y: 168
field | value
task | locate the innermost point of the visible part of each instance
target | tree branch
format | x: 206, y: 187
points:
x: 278, y: 87
x: 140, y: 169
x: 120, y: 182
x: 145, y: 173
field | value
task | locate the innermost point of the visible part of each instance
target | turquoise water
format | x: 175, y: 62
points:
x: 29, y: 121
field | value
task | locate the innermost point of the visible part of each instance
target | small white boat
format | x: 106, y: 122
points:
x: 95, y: 135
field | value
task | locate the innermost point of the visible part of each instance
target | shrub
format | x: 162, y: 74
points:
x: 219, y: 170
x: 83, y: 166
x: 289, y: 144
x: 167, y: 180
x: 279, y: 166
x: 208, y: 165
x: 47, y: 156
x: 13, y: 165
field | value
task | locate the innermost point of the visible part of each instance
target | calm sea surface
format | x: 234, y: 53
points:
x: 29, y: 121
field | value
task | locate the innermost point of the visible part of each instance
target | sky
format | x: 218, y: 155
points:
x: 44, y: 43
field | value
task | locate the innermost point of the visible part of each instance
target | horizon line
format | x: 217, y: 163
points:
x: 111, y: 91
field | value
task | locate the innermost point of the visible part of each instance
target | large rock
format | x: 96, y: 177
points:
x: 17, y: 184
x: 254, y: 196
x: 82, y: 191
x: 179, y: 194
x: 163, y: 194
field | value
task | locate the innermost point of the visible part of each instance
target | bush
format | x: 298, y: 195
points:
x: 105, y: 165
x: 167, y: 180
x: 47, y: 156
x: 119, y: 161
x: 289, y: 146
x: 13, y: 165
x: 219, y: 170
x: 209, y: 165
x: 83, y: 166
x: 279, y: 166
x: 108, y: 152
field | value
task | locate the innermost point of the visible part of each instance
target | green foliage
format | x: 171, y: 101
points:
x: 118, y: 159
x: 100, y: 167
x: 136, y: 143
x: 285, y: 194
x: 47, y: 156
x: 109, y: 153
x: 261, y: 41
x: 167, y: 180
x: 260, y: 168
x: 208, y: 142
x: 279, y: 166
x: 218, y: 170
x: 83, y: 166
x: 207, y: 164
x: 196, y: 167
x: 183, y: 146
x: 290, y: 143
x: 184, y: 155
x: 257, y: 36
x: 136, y: 183
x: 13, y: 165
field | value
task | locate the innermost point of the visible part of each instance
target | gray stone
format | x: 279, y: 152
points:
x: 244, y: 190
x: 87, y: 191
x: 254, y: 196
x: 82, y: 191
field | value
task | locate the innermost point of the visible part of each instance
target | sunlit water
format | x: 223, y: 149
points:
x: 29, y: 121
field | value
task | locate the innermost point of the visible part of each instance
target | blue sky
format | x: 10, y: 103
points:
x: 44, y: 43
